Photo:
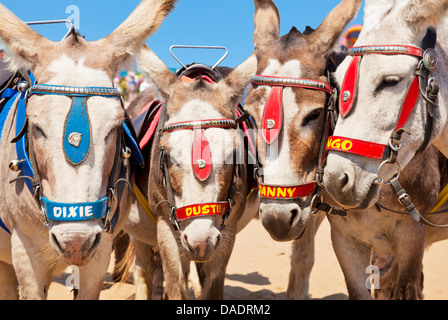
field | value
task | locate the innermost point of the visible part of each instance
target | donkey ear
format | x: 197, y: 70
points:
x: 328, y: 33
x: 237, y: 81
x: 24, y: 44
x: 151, y: 65
x: 267, y: 23
x: 421, y: 14
x: 144, y: 21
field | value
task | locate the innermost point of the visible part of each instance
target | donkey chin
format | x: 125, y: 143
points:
x: 76, y: 242
x: 200, y: 238
x: 284, y: 221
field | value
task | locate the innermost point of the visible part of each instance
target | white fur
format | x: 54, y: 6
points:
x: 375, y: 115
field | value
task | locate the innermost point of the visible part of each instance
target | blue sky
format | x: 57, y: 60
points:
x: 226, y: 23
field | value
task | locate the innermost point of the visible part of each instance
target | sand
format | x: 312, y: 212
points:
x: 259, y: 269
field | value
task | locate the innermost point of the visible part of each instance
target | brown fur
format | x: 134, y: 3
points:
x: 175, y: 258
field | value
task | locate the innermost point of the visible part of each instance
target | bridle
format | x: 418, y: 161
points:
x: 422, y: 84
x: 77, y: 142
x: 271, y: 126
x: 202, y: 166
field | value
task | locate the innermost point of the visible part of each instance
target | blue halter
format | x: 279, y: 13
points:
x: 76, y: 146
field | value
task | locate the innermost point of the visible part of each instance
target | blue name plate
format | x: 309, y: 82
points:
x: 80, y: 211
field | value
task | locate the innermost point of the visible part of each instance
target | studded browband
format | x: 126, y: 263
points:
x: 78, y: 91
x: 291, y: 82
x: 218, y: 123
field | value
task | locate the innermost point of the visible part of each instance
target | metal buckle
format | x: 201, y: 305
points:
x: 404, y: 195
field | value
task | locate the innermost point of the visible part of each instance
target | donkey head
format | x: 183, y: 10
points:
x: 380, y: 96
x: 289, y: 112
x: 204, y: 160
x: 69, y: 185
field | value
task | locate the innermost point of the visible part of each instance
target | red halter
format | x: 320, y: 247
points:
x: 348, y: 97
x: 272, y: 122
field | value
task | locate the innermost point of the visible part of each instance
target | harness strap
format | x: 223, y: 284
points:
x: 406, y: 201
x: 202, y: 209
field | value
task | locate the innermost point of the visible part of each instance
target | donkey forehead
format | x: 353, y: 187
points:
x: 221, y: 141
x: 375, y: 67
x: 291, y: 68
x: 65, y: 70
x: 50, y: 112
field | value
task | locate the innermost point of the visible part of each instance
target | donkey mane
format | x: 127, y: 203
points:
x: 294, y: 36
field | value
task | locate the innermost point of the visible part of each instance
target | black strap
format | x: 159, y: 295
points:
x: 406, y: 201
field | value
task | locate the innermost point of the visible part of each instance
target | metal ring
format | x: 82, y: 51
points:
x: 394, y: 147
x: 382, y: 181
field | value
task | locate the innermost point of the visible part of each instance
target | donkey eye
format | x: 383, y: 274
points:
x: 389, y: 81
x: 38, y: 131
x: 312, y: 116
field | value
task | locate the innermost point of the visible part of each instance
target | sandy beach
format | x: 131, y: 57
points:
x: 262, y: 272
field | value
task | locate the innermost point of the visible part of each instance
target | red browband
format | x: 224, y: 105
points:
x: 347, y: 100
x: 286, y: 192
x: 202, y: 209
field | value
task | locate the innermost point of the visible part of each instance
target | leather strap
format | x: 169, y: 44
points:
x: 202, y: 209
x: 286, y: 192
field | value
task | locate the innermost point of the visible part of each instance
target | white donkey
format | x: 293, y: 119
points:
x: 71, y: 157
x: 379, y: 97
x: 381, y: 103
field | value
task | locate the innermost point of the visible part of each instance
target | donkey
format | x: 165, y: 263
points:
x: 289, y: 149
x: 393, y: 101
x: 73, y: 141
x: 196, y: 178
x: 296, y: 63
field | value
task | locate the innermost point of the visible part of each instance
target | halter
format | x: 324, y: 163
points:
x: 421, y: 84
x: 76, y: 145
x: 202, y: 166
x: 271, y: 126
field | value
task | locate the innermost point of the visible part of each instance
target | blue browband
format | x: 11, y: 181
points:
x: 76, y: 145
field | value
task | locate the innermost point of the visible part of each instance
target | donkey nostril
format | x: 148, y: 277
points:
x: 56, y: 242
x: 294, y: 213
x: 218, y: 241
x: 344, y: 180
x: 97, y: 241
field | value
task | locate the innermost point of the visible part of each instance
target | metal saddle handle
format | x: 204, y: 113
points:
x: 199, y: 47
